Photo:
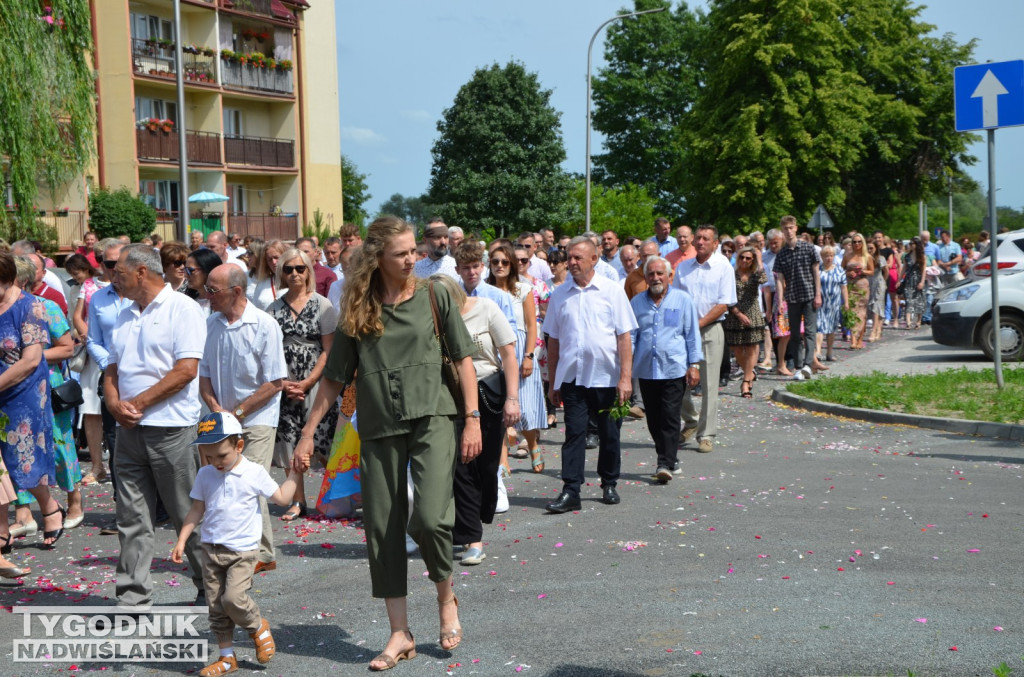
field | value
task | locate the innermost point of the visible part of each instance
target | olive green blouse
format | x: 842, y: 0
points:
x: 399, y: 372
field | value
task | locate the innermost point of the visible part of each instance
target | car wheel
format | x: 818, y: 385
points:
x: 1011, y: 338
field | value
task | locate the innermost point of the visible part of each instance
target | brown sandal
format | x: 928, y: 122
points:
x: 264, y: 642
x: 454, y: 634
x: 391, y: 661
x: 221, y: 666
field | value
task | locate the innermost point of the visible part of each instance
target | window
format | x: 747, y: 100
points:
x: 232, y: 122
x: 145, y: 26
x: 238, y: 202
x: 162, y: 195
x: 146, y: 108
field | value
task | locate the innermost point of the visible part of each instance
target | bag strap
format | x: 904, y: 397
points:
x: 437, y: 320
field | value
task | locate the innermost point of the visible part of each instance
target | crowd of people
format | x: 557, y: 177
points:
x: 196, y: 367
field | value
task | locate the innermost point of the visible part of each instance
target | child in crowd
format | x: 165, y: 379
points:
x: 225, y: 497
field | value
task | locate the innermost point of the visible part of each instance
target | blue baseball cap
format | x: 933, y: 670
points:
x: 217, y: 426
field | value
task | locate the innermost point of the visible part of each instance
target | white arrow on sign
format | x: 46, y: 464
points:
x: 989, y: 89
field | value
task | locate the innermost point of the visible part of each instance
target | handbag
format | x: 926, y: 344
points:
x: 492, y: 392
x: 449, y: 372
x: 78, y: 358
x: 781, y: 327
x: 67, y: 395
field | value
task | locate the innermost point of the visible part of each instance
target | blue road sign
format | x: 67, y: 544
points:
x: 988, y: 95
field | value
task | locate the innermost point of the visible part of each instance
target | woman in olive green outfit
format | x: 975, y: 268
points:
x: 386, y: 338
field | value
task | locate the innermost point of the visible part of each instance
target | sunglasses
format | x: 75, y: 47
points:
x: 177, y: 263
x: 499, y: 262
x: 109, y: 265
x: 524, y: 261
x: 746, y: 258
x: 189, y: 271
x: 212, y: 292
x: 288, y: 270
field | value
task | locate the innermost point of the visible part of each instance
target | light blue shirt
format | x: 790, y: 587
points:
x: 668, y: 339
x: 931, y: 249
x: 104, y: 307
x: 948, y: 252
x: 666, y: 247
x: 502, y: 298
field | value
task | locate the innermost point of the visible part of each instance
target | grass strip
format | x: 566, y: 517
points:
x: 955, y: 393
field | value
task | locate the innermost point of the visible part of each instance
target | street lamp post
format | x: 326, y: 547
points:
x: 590, y: 53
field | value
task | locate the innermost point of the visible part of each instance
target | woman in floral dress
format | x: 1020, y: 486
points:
x: 25, y: 403
x: 307, y: 321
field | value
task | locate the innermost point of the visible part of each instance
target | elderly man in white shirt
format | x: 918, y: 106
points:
x: 710, y: 280
x: 590, y: 360
x: 242, y: 372
x: 150, y: 388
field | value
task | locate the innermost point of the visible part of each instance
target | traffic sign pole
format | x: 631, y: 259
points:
x: 997, y: 344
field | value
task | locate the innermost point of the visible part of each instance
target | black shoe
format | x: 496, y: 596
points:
x: 200, y: 598
x: 723, y: 382
x: 109, y: 529
x: 592, y: 441
x: 611, y: 497
x: 565, y: 502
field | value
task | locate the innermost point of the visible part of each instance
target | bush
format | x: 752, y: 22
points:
x: 14, y: 228
x: 119, y: 212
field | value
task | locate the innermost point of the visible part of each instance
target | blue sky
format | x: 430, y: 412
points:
x: 401, y: 63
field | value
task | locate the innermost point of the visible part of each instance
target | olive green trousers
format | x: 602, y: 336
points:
x: 428, y: 451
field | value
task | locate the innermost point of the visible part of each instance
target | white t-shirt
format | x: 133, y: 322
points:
x: 146, y: 345
x: 490, y: 330
x: 232, y: 517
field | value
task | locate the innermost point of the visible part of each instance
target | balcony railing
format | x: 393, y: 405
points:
x: 266, y: 226
x: 261, y: 7
x: 248, y: 76
x: 255, y: 150
x: 201, y: 147
x: 149, y: 57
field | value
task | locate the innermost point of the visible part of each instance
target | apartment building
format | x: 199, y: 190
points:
x: 260, y: 117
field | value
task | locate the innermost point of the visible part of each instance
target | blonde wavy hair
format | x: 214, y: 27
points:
x: 361, y: 301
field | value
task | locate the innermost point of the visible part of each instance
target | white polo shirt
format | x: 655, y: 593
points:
x: 242, y: 356
x: 708, y: 283
x: 587, y: 321
x: 232, y: 517
x: 147, y: 343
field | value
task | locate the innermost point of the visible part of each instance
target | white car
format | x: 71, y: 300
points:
x: 1011, y: 256
x: 962, y: 316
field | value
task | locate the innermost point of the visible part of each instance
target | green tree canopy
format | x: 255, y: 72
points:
x: 641, y: 98
x: 412, y: 209
x: 496, y: 164
x: 353, y: 192
x: 120, y: 212
x: 628, y: 210
x: 818, y: 101
x: 46, y: 96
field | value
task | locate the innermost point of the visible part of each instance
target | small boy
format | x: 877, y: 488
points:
x: 225, y: 497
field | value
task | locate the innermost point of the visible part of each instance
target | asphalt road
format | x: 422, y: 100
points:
x: 803, y: 545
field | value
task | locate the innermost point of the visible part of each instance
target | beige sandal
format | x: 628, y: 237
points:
x: 264, y: 642
x: 391, y: 661
x: 454, y: 635
x: 221, y: 666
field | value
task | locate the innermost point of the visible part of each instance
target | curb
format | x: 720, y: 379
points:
x: 1003, y: 431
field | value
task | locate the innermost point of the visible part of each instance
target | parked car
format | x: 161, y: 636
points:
x: 962, y: 316
x: 1010, y: 255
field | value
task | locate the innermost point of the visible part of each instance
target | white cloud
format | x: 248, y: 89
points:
x: 417, y: 115
x: 362, y: 136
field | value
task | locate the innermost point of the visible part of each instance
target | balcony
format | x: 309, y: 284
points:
x: 161, y: 146
x: 156, y: 58
x: 268, y: 8
x: 255, y: 150
x: 266, y: 226
x: 259, y: 78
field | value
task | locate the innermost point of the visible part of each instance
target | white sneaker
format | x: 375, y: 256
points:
x: 806, y: 371
x: 502, y: 505
x: 799, y: 376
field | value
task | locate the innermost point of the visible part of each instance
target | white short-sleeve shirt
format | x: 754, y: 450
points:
x: 146, y: 345
x: 709, y: 283
x: 242, y: 356
x: 232, y: 517
x: 587, y: 321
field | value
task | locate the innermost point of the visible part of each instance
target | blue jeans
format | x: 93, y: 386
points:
x: 581, y: 404
x: 929, y: 297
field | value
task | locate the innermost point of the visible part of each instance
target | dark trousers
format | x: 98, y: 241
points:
x: 806, y: 312
x: 664, y: 398
x: 476, y: 482
x: 109, y: 439
x: 580, y: 404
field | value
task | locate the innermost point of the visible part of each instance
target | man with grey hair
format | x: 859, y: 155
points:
x: 242, y: 372
x: 50, y: 279
x: 455, y: 237
x: 151, y: 390
x: 217, y: 242
x: 628, y: 258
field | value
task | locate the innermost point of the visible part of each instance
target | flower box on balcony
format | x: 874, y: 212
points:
x: 61, y: 212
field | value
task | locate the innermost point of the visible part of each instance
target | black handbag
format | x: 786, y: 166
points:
x: 492, y: 392
x: 67, y: 395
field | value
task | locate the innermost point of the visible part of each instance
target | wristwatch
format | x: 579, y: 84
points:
x: 239, y: 413
x: 530, y: 355
x: 473, y: 414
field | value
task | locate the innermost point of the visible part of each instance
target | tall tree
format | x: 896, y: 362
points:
x: 412, y: 209
x: 628, y: 210
x: 641, y: 97
x: 817, y: 101
x: 496, y: 164
x: 46, y: 96
x: 353, y: 192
